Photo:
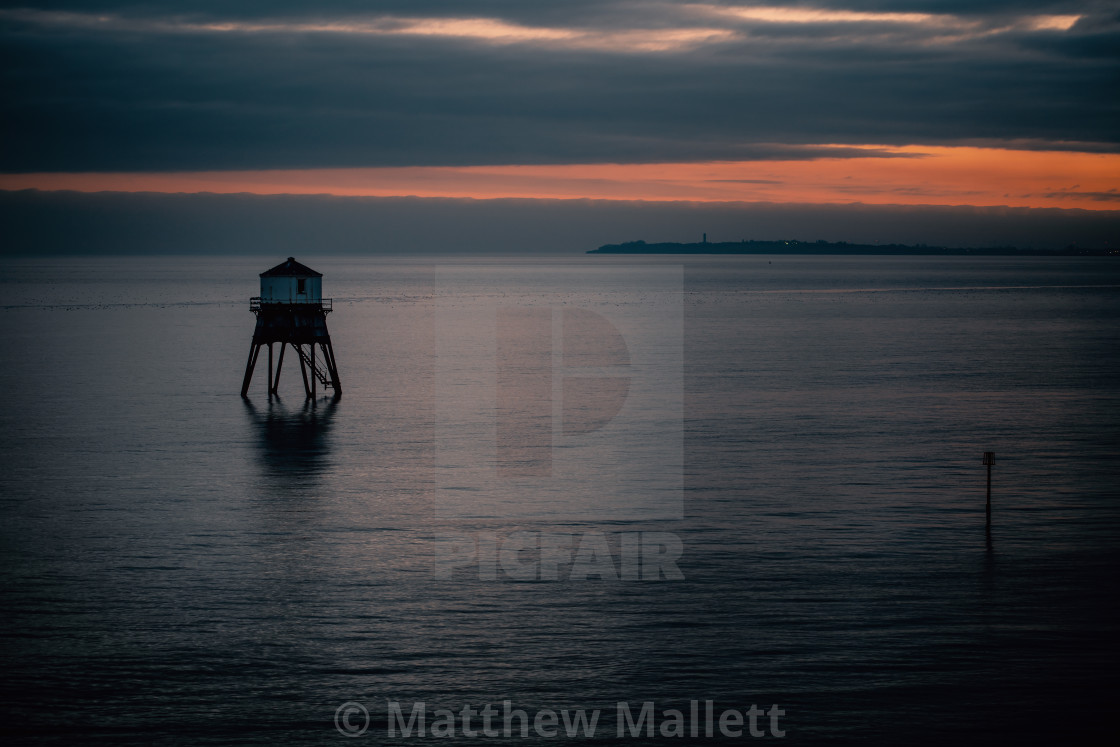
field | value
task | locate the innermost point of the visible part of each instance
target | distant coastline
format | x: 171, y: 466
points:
x: 837, y: 247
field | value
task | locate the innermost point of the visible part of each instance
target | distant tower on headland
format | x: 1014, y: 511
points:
x: 291, y: 310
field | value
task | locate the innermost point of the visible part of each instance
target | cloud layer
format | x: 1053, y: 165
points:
x: 98, y: 86
x: 44, y: 223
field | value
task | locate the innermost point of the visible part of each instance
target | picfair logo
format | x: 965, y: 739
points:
x: 559, y: 392
x: 593, y: 375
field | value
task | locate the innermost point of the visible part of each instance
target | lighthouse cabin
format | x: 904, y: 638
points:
x: 291, y: 283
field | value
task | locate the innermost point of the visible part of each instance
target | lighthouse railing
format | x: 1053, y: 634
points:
x: 326, y: 304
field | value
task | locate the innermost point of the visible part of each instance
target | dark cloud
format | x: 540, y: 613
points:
x: 1110, y: 196
x: 44, y: 223
x: 83, y: 96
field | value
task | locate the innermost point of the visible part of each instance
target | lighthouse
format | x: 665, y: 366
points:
x: 291, y: 310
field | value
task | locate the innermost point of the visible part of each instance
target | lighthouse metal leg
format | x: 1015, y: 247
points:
x: 254, y: 350
x: 279, y: 365
x: 312, y: 364
x: 269, y: 368
x: 303, y: 371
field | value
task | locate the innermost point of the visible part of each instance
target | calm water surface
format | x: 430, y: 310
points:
x: 180, y: 565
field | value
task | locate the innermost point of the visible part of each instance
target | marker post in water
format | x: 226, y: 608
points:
x: 989, y: 460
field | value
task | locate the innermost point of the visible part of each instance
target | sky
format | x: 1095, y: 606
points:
x: 794, y: 118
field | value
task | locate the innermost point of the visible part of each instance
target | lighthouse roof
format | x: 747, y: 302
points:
x: 291, y: 269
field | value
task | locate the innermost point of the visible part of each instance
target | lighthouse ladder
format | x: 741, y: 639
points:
x: 310, y: 362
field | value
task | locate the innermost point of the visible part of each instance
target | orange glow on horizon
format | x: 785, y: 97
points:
x: 914, y: 175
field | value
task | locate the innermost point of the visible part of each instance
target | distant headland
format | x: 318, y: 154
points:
x: 837, y: 247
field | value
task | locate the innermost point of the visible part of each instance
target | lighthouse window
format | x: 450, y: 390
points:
x: 301, y: 286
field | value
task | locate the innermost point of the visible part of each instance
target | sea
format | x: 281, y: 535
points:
x: 696, y: 499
